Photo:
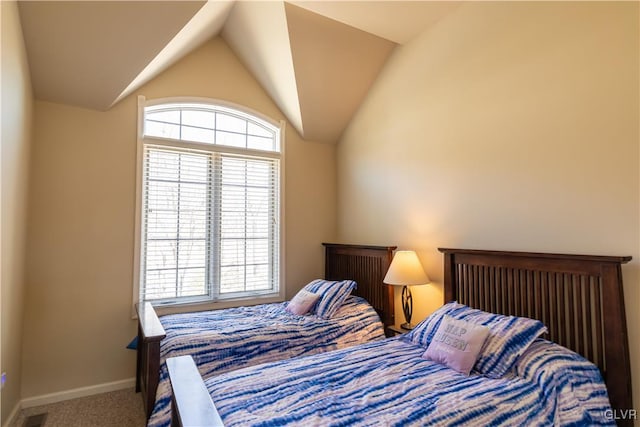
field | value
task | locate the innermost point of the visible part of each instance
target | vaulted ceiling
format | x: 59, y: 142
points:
x: 316, y: 59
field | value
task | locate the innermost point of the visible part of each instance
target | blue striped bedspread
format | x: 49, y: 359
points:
x: 386, y: 383
x: 225, y: 340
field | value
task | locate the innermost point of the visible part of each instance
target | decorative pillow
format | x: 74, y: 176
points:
x: 457, y: 344
x: 302, y: 302
x: 332, y: 295
x: 509, y: 336
x: 423, y: 333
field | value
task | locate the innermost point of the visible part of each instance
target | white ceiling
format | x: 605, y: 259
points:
x: 397, y: 21
x: 311, y: 56
x: 87, y: 53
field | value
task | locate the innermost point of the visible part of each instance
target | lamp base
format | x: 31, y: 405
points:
x: 407, y: 326
x: 407, y: 308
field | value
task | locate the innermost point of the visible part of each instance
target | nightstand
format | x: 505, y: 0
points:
x: 393, y: 330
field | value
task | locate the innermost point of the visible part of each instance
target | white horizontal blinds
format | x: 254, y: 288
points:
x: 249, y: 209
x: 199, y: 124
x: 211, y: 204
x: 177, y: 186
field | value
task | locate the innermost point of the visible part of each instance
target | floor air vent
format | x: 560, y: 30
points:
x: 35, y: 420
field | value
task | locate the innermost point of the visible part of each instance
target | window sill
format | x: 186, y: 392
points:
x: 214, y: 305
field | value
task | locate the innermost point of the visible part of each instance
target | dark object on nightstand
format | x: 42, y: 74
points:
x: 393, y: 330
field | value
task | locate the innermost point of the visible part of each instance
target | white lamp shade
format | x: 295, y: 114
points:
x: 405, y: 269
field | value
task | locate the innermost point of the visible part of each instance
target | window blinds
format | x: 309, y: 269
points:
x: 210, y: 224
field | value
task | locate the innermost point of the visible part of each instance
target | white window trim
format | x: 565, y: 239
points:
x: 212, y: 304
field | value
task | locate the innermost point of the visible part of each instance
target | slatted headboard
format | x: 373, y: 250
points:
x: 578, y: 297
x: 367, y: 265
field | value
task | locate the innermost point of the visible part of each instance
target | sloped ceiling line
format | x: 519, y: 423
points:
x: 257, y: 33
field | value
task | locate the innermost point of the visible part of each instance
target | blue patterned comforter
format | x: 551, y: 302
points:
x: 224, y: 340
x: 386, y: 383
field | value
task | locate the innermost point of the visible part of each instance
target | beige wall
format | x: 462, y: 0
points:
x: 17, y: 106
x: 80, y: 267
x: 509, y: 126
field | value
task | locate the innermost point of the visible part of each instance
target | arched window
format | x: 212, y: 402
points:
x: 209, y: 202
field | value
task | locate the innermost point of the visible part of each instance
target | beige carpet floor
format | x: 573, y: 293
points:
x: 122, y: 408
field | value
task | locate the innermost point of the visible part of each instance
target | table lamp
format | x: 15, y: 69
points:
x: 405, y: 270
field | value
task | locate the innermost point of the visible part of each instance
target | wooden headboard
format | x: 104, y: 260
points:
x: 578, y: 297
x: 367, y: 265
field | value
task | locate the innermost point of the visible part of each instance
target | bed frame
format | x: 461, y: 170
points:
x: 367, y: 265
x: 578, y: 297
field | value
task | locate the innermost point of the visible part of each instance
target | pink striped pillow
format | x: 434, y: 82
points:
x: 302, y: 302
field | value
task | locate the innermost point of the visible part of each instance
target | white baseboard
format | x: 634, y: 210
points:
x: 13, y: 414
x: 75, y: 393
x: 60, y: 396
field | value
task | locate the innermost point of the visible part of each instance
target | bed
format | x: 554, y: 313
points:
x: 229, y: 339
x: 578, y: 373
